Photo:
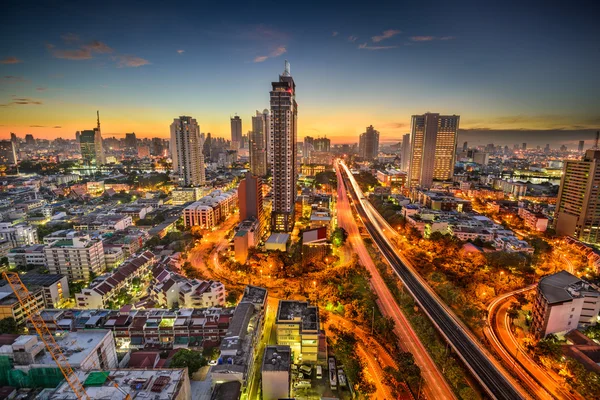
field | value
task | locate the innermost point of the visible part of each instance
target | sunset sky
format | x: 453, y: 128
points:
x: 502, y: 68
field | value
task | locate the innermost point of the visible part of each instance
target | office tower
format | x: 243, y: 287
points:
x: 29, y: 140
x: 186, y: 151
x: 368, y: 144
x: 258, y: 144
x: 158, y: 147
x: 547, y: 148
x: 308, y: 146
x: 322, y: 144
x: 563, y: 148
x: 581, y: 144
x: 284, y: 115
x: 131, y: 143
x: 524, y: 146
x: 578, y: 204
x: 236, y: 133
x: 15, y: 140
x: 465, y: 147
x: 250, y: 197
x: 8, y: 153
x: 406, y: 152
x: 90, y: 143
x: 77, y: 137
x: 433, y: 148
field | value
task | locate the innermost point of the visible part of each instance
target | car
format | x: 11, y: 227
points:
x: 302, y: 385
x: 212, y: 362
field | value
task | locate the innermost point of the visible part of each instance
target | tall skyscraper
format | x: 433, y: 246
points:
x: 77, y: 136
x: 236, y: 132
x: 405, y: 158
x: 368, y: 144
x: 308, y: 146
x: 8, y: 152
x: 433, y: 148
x: 465, y: 146
x: 284, y: 115
x: 15, y: 140
x: 258, y: 143
x: 581, y: 145
x: 524, y: 146
x: 250, y: 198
x: 578, y: 204
x: 29, y: 140
x: 131, y: 143
x: 90, y: 143
x: 186, y: 151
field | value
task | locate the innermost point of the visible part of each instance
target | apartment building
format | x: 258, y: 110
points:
x: 27, y: 255
x: 18, y: 234
x: 564, y: 302
x: 298, y: 326
x: 10, y: 307
x: 78, y: 257
x: 211, y: 210
x: 533, y: 220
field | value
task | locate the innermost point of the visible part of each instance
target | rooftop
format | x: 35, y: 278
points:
x: 76, y: 346
x: 278, y: 238
x: 255, y: 295
x: 563, y: 286
x: 277, y: 358
x: 298, y: 311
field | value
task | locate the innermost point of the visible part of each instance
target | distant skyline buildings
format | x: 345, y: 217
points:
x: 284, y: 115
x: 91, y: 146
x: 258, y: 143
x: 368, y: 144
x: 186, y: 151
x: 405, y: 155
x: 433, y: 148
x: 236, y: 132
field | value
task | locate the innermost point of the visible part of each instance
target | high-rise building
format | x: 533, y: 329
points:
x: 258, y: 143
x: 433, y: 148
x: 90, y: 143
x: 308, y: 145
x: 368, y: 144
x: 29, y: 140
x: 8, y: 153
x: 186, y: 151
x: 131, y: 143
x: 465, y: 147
x: 524, y: 146
x: 581, y: 145
x: 322, y: 144
x: 158, y: 147
x: 250, y: 198
x: 547, y: 148
x: 77, y: 136
x: 284, y: 115
x: 236, y: 132
x: 15, y: 140
x: 405, y: 159
x: 578, y: 204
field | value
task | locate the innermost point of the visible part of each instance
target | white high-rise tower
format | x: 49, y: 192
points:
x: 186, y: 151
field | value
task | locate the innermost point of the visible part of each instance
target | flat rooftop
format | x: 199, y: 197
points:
x: 255, y: 295
x: 278, y: 238
x: 298, y: 312
x: 76, y: 346
x: 277, y: 358
x: 155, y: 384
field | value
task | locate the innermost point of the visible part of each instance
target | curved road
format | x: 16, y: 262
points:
x: 435, y: 386
x: 497, y: 382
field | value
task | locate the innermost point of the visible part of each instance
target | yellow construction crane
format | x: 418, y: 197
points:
x: 27, y: 302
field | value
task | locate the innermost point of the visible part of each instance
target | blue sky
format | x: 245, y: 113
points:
x: 500, y: 66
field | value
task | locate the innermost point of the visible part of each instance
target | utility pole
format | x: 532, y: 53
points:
x: 373, y: 321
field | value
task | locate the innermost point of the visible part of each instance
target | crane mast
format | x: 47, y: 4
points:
x: 26, y: 299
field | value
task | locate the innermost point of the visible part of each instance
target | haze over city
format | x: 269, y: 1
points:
x: 509, y: 70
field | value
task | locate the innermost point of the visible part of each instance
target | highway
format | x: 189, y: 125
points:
x: 496, y: 382
x: 435, y: 386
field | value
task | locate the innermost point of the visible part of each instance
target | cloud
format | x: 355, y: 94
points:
x: 10, y: 60
x: 180, y: 51
x: 365, y: 46
x: 21, y: 101
x: 352, y: 38
x: 13, y: 79
x: 37, y: 126
x: 385, y: 35
x: 130, y: 61
x: 335, y: 33
x: 41, y: 89
x: 70, y: 38
x: 430, y: 38
x: 275, y: 53
x: 395, y: 125
x: 57, y: 127
x: 84, y: 52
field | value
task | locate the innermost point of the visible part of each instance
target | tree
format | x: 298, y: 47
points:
x: 232, y: 296
x: 8, y: 325
x: 339, y: 236
x: 190, y: 359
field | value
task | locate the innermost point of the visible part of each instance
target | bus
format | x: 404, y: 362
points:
x: 342, y: 377
x: 332, y: 374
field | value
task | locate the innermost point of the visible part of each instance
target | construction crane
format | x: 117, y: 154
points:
x: 27, y: 303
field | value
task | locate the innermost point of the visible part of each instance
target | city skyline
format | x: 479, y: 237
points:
x: 55, y: 78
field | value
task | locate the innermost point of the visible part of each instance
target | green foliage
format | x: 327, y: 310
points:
x: 233, y: 295
x: 339, y: 236
x: 587, y: 383
x: 345, y: 350
x: 193, y: 360
x: 326, y: 178
x: 366, y: 180
x: 8, y: 325
x: 45, y: 230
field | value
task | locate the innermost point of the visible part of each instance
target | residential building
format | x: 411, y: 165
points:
x: 18, y: 234
x: 581, y: 145
x: 103, y: 223
x: 297, y: 325
x: 155, y: 384
x: 277, y: 241
x: 131, y: 144
x: 210, y: 210
x: 182, y: 196
x: 10, y: 306
x: 55, y: 287
x: 186, y: 151
x: 275, y: 372
x: 578, y: 205
x: 113, y: 256
x: 534, y: 220
x: 79, y: 257
x: 368, y: 144
x: 391, y: 177
x: 433, y: 148
x: 284, y: 115
x: 564, y: 302
x: 250, y: 198
x: 247, y: 236
x: 322, y: 145
x: 258, y: 143
x: 236, y: 133
x: 8, y: 152
x: 103, y: 290
x: 27, y: 255
x: 405, y: 157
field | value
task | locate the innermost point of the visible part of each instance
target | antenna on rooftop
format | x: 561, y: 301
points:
x: 286, y: 70
x: 98, y: 116
x: 596, y: 142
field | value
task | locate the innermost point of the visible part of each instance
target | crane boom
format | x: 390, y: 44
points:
x: 26, y: 299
